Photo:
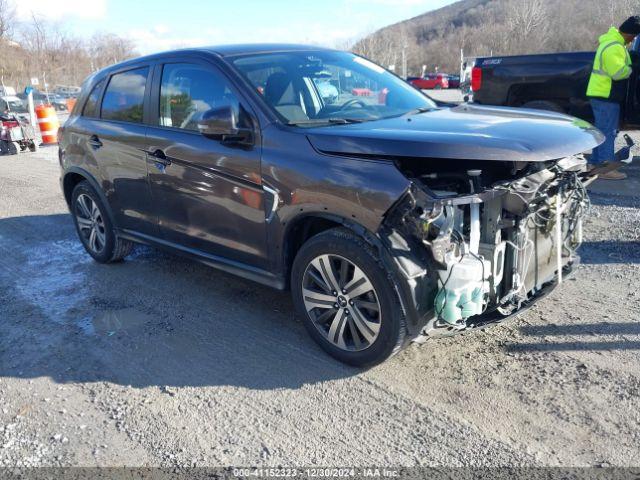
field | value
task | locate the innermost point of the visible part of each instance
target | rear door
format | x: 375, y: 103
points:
x: 208, y: 194
x: 108, y: 140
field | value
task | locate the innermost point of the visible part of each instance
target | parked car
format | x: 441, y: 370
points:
x: 38, y: 98
x: 454, y: 81
x: 7, y: 91
x: 362, y: 92
x: 556, y: 82
x: 12, y: 103
x: 430, y: 81
x: 56, y: 101
x: 388, y: 220
x: 67, y: 91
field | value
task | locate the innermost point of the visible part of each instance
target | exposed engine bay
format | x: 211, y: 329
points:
x: 484, y: 242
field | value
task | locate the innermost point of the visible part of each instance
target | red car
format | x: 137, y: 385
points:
x: 430, y: 81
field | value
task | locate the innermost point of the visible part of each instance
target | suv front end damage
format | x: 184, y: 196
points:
x: 482, y: 245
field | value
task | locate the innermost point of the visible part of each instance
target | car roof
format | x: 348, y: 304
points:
x: 227, y: 51
x: 248, y: 48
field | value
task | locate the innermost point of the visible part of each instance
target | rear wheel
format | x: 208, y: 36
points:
x: 94, y: 227
x: 346, y: 299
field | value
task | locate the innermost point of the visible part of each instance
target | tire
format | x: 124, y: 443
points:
x: 33, y: 146
x: 544, y: 105
x: 366, y: 325
x: 13, y: 148
x: 94, y: 227
x: 438, y: 87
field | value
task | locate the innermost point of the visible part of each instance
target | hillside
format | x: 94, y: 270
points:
x: 499, y: 27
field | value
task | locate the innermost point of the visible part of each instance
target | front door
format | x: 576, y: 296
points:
x: 207, y: 194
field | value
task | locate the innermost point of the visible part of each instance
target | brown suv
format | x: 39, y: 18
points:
x: 389, y: 216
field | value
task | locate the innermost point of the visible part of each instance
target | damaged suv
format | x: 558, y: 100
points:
x: 389, y: 216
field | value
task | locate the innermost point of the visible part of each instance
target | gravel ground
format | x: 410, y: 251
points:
x: 160, y: 361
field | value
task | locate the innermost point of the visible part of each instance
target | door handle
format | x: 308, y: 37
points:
x: 94, y: 142
x: 159, y: 157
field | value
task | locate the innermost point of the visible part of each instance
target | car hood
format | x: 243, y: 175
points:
x: 466, y: 132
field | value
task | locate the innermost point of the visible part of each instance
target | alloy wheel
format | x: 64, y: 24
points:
x: 341, y: 302
x: 90, y: 223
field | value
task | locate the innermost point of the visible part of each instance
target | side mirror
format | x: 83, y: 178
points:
x: 222, y: 123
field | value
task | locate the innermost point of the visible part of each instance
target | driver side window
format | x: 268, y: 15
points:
x: 188, y: 91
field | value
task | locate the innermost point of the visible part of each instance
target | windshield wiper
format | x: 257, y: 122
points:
x: 419, y: 110
x: 327, y: 121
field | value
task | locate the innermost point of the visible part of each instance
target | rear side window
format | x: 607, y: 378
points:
x: 124, y: 97
x: 91, y: 107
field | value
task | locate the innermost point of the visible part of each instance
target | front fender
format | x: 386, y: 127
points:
x: 307, y: 182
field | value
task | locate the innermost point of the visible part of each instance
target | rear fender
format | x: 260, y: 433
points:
x: 94, y: 184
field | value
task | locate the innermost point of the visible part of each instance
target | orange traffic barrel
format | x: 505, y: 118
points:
x: 48, y: 123
x: 71, y: 102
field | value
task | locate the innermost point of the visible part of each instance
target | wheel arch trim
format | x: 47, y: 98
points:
x: 94, y: 184
x: 294, y: 222
x: 402, y: 287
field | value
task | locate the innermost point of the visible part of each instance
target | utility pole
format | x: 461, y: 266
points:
x: 31, y: 107
x: 46, y: 89
x: 4, y: 92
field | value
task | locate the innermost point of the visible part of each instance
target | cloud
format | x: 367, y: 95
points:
x: 160, y: 37
x: 62, y: 9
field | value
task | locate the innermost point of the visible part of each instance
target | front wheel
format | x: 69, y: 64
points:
x: 346, y: 299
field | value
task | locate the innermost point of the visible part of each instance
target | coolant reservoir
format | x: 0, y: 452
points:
x: 463, y: 286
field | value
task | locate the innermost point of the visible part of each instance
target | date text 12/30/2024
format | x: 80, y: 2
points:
x: 315, y: 472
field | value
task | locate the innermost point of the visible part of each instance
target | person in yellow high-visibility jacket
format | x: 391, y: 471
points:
x: 607, y: 90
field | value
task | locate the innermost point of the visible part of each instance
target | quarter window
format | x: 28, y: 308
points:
x: 188, y: 91
x: 91, y: 107
x: 124, y: 97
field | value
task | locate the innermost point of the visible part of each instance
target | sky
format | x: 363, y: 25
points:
x: 162, y: 24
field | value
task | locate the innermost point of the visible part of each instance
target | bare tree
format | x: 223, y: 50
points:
x: 527, y: 22
x: 498, y: 27
x: 616, y: 11
x: 107, y: 48
x: 7, y: 19
x: 42, y: 47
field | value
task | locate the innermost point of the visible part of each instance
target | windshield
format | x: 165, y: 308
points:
x: 329, y: 87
